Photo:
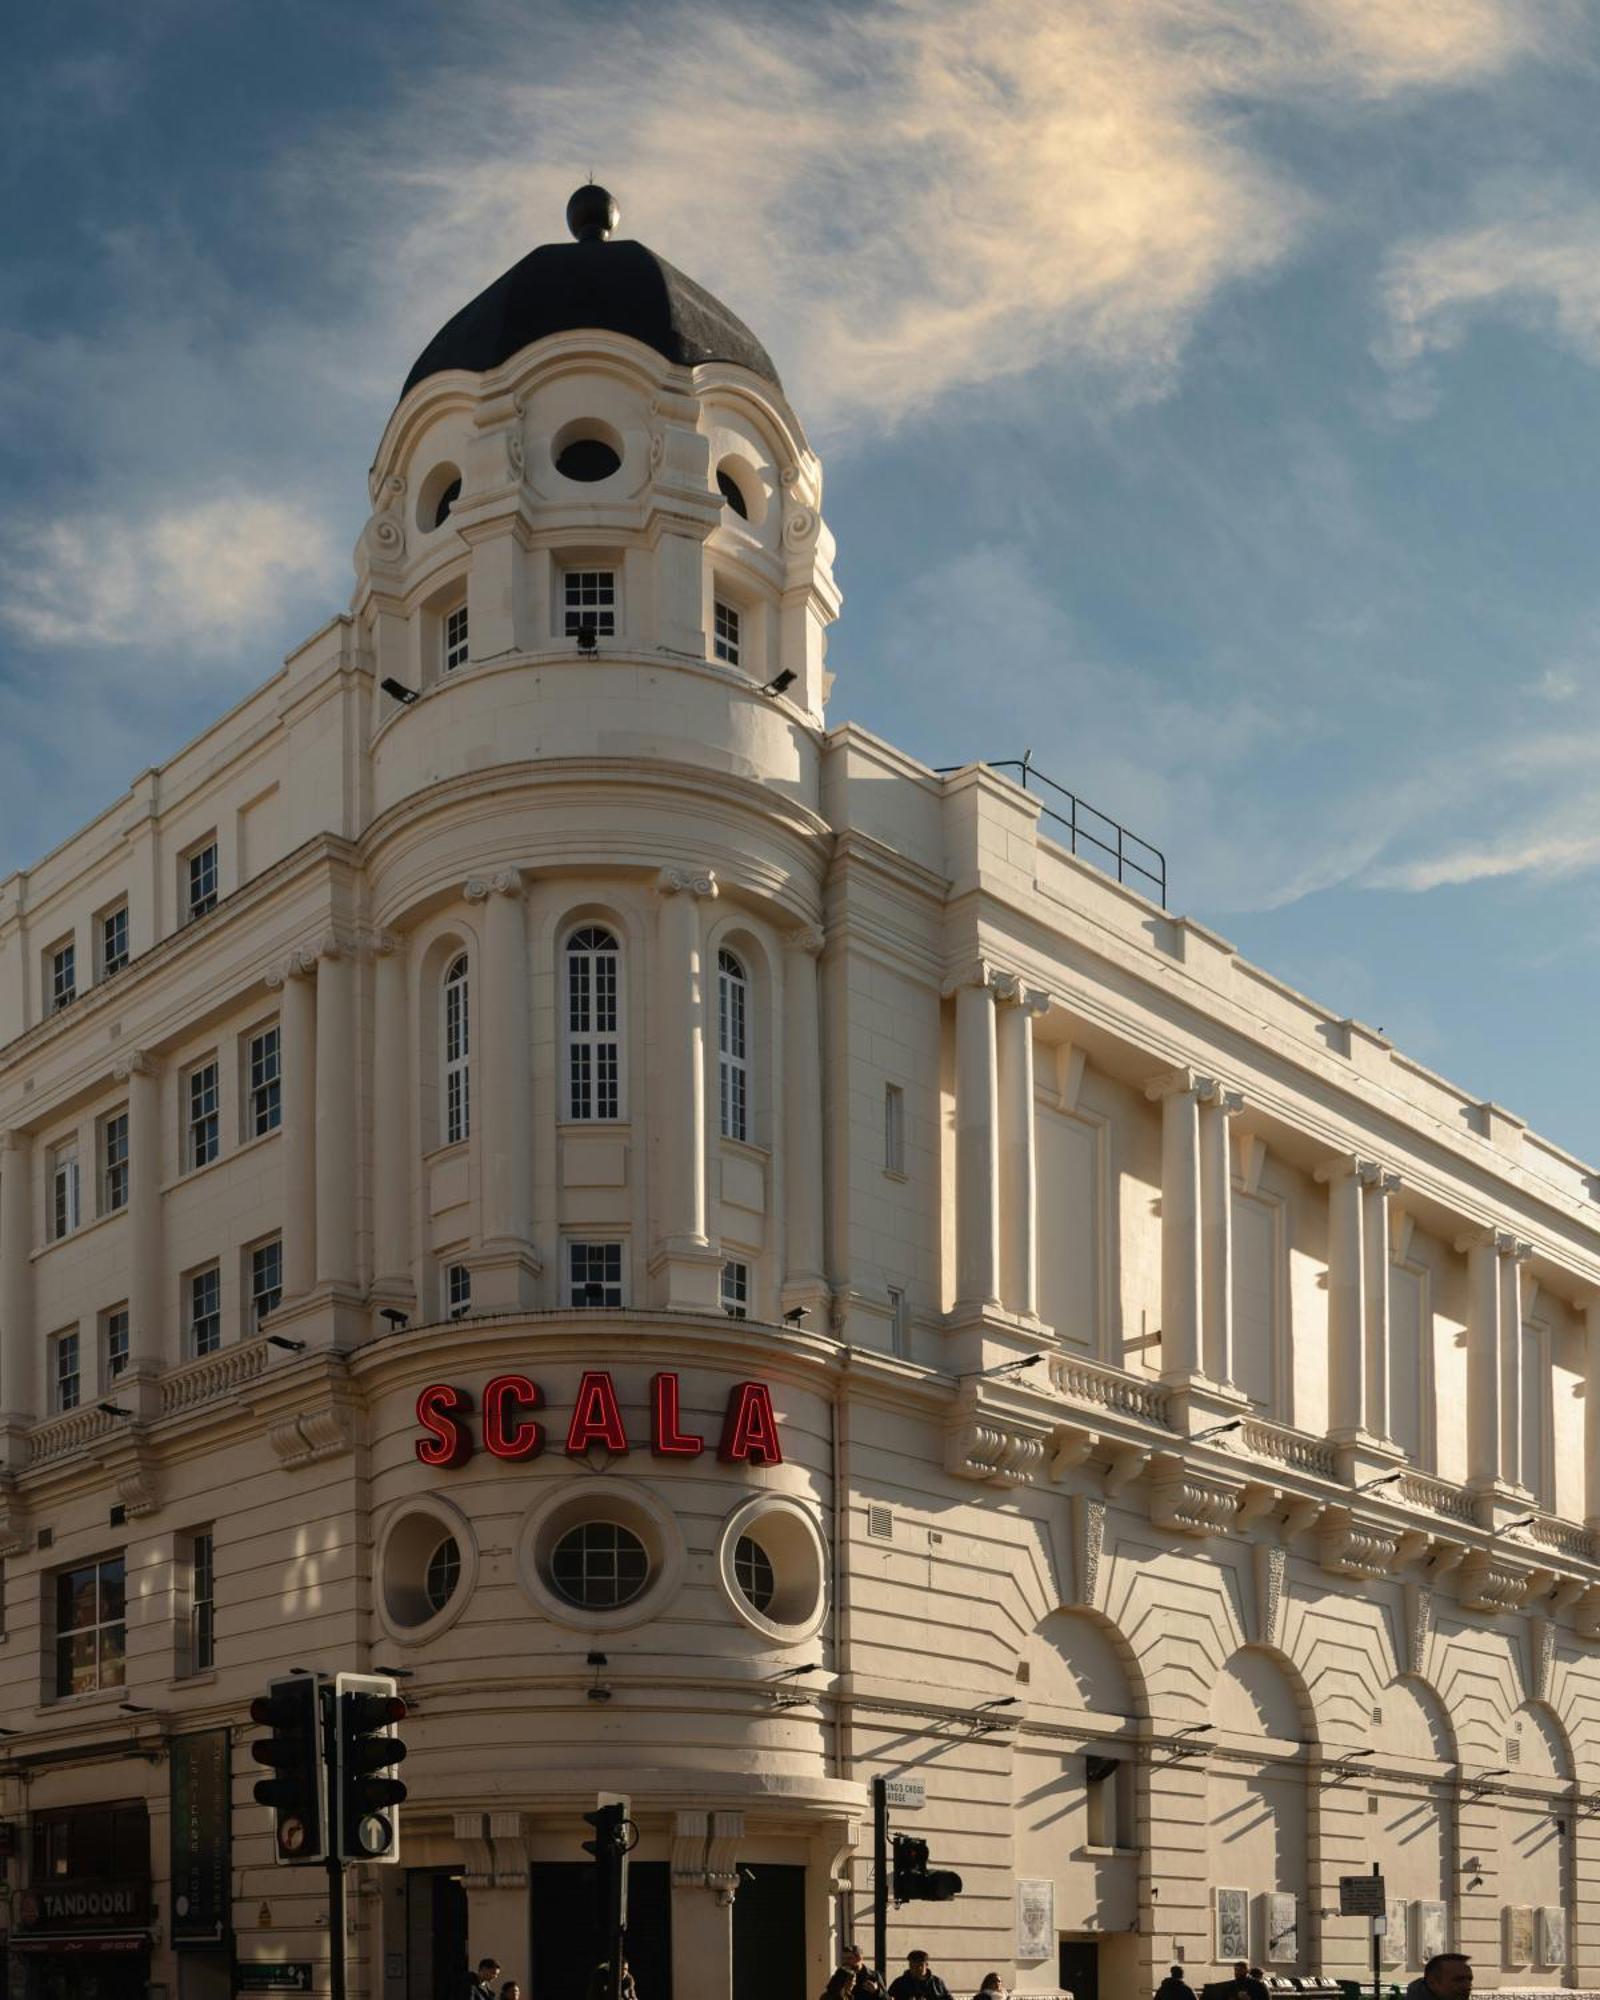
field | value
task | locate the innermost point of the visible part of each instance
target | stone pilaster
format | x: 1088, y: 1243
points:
x: 19, y: 1358
x: 391, y: 1129
x: 1019, y: 1007
x: 505, y: 1266
x: 684, y: 1262
x: 805, y: 1270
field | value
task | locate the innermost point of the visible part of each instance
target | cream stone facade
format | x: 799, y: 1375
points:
x: 590, y: 1008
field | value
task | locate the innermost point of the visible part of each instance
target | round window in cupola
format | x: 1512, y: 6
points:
x: 586, y: 451
x: 437, y: 497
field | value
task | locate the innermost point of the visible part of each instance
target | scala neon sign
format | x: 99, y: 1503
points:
x: 510, y: 1429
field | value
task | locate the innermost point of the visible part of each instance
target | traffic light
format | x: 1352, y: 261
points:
x: 612, y: 1839
x: 297, y: 1791
x: 367, y: 1802
x: 914, y: 1881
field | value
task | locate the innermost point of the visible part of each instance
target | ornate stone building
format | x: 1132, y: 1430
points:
x: 743, y: 1266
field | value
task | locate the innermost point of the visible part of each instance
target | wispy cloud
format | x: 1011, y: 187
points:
x: 926, y: 196
x: 204, y: 575
x: 1535, y: 260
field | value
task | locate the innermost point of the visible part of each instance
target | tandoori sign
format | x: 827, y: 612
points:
x: 509, y: 1429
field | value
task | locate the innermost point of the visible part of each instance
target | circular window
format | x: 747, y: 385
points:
x: 425, y: 1565
x: 600, y: 1554
x: 773, y: 1565
x: 586, y: 451
x: 588, y: 459
x: 728, y: 487
x: 443, y: 1573
x: 742, y: 488
x: 599, y: 1566
x: 437, y: 496
x: 752, y: 1571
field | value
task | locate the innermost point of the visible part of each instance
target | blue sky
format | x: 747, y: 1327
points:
x: 1209, y: 393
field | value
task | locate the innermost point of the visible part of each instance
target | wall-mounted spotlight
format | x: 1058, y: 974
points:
x: 780, y: 683
x: 597, y: 1691
x: 1383, y: 1479
x: 1216, y: 1430
x: 395, y: 1317
x: 282, y: 1340
x: 796, y: 1315
x: 788, y: 1673
x: 588, y: 638
x: 1511, y: 1527
x: 398, y: 691
x: 113, y: 1410
x: 1002, y: 1368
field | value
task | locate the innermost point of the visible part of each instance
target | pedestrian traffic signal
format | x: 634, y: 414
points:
x: 297, y: 1791
x: 914, y: 1881
x: 367, y: 1802
x: 613, y: 1836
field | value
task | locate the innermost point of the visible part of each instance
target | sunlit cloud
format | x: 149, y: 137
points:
x: 1536, y: 262
x: 927, y: 197
x: 204, y: 575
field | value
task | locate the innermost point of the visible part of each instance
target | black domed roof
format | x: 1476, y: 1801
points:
x: 593, y: 282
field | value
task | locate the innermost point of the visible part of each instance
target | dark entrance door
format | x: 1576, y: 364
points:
x: 1080, y: 1968
x: 565, y: 1947
x: 769, y: 1934
x: 436, y: 1936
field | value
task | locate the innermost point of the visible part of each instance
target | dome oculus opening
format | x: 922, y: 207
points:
x: 588, y: 460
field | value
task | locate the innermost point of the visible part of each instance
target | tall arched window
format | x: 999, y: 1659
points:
x: 733, y: 1045
x: 457, y: 1080
x: 594, y: 1024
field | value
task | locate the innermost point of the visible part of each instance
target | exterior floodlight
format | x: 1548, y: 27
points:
x: 1383, y: 1479
x: 1216, y: 1430
x: 399, y: 692
x: 283, y: 1340
x: 113, y: 1410
x: 780, y: 682
x: 394, y: 1316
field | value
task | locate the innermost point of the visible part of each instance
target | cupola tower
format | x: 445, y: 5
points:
x: 594, y: 481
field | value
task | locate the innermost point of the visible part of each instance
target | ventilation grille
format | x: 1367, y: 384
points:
x: 1513, y: 1749
x: 1377, y: 1715
x: 1024, y: 1671
x: 46, y: 1537
x: 880, y: 1524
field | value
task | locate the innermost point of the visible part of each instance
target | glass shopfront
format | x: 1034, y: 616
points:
x: 82, y: 1928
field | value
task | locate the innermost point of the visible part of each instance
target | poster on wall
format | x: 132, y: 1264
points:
x: 1552, y: 1936
x: 1433, y: 1931
x: 1394, y: 1936
x: 1519, y: 1933
x: 1282, y: 1928
x: 1036, y: 1920
x: 1233, y: 1924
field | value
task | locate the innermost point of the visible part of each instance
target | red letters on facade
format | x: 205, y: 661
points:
x: 667, y: 1440
x: 596, y: 1417
x: 750, y: 1430
x: 447, y: 1442
x: 510, y: 1431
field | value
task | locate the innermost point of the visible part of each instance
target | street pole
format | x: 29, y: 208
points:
x: 336, y: 1988
x: 880, y: 1871
x: 330, y: 1833
x: 1377, y: 1955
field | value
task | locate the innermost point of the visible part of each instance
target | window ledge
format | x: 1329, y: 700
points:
x: 896, y: 1174
x: 1107, y: 1853
x: 192, y: 1174
x: 205, y: 1678
x: 447, y: 1151
x: 60, y: 1704
x: 747, y: 1147
x: 76, y: 1235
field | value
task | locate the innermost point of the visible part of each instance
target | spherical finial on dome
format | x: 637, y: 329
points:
x: 592, y: 215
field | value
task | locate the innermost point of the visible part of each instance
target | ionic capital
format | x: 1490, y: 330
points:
x: 1228, y: 1101
x: 504, y: 882
x: 133, y: 1062
x: 810, y: 940
x: 1345, y: 1167
x: 1180, y: 1082
x: 679, y: 881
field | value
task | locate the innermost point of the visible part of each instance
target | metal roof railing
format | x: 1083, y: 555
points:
x: 1111, y: 846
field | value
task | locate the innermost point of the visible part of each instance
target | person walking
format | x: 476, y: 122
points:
x: 919, y: 1981
x: 486, y: 1980
x: 869, y: 1980
x: 841, y: 1986
x: 1249, y: 1983
x: 511, y: 1991
x: 1175, y: 1986
x: 993, y: 1988
x: 1446, y: 1976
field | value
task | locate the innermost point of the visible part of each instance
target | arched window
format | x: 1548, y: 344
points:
x: 594, y: 1037
x: 457, y: 1082
x: 733, y: 1045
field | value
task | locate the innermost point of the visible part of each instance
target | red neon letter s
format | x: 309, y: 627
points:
x: 447, y: 1442
x: 666, y: 1440
x: 596, y: 1418
x: 508, y: 1432
x: 751, y: 1429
